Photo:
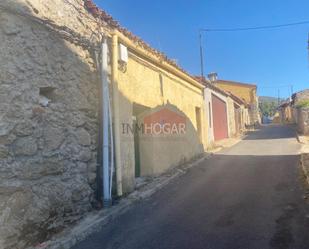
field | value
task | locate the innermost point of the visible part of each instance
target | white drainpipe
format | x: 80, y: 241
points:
x: 111, y: 147
x: 116, y: 115
x: 107, y: 199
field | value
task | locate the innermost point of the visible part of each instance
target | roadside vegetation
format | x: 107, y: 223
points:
x: 268, y: 109
x: 303, y: 104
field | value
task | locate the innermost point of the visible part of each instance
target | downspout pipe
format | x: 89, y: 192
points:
x: 111, y: 147
x: 107, y: 200
x: 116, y: 116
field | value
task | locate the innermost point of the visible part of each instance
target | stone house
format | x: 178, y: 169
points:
x: 51, y: 112
x: 244, y: 91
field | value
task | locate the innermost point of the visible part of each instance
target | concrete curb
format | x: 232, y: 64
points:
x: 304, y: 154
x: 97, y: 219
x: 304, y: 168
x: 304, y: 161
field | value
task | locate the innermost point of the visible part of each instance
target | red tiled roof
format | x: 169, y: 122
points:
x: 238, y: 100
x: 236, y: 83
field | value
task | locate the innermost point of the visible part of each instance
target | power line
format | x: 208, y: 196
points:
x: 266, y: 27
x: 274, y: 86
x: 256, y: 27
x: 279, y: 88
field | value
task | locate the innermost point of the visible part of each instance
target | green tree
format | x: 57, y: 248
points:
x: 268, y: 109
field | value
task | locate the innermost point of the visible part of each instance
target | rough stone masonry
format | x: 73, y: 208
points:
x: 303, y: 120
x: 48, y: 123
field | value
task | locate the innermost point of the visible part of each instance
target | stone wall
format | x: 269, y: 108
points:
x: 48, y: 151
x: 303, y: 121
x: 286, y: 115
x: 49, y: 105
x: 301, y: 96
x: 253, y: 112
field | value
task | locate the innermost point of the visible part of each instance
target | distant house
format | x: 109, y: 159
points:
x: 216, y: 107
x: 244, y: 91
x: 226, y: 114
x: 300, y: 110
x: 286, y: 113
x: 241, y: 114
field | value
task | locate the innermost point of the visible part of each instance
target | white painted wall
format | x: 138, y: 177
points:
x: 208, y: 110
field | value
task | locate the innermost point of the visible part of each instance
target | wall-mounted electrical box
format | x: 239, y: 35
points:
x: 123, y: 53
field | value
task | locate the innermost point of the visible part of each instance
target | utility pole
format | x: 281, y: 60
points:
x: 278, y: 97
x: 201, y: 55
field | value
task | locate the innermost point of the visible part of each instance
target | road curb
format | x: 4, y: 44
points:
x: 304, y: 161
x: 95, y: 220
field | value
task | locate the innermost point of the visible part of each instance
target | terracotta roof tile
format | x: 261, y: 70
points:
x: 236, y: 83
x: 238, y: 100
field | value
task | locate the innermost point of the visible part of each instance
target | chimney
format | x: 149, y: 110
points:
x: 213, y: 77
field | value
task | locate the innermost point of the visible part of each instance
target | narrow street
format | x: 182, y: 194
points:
x: 129, y: 124
x: 250, y: 196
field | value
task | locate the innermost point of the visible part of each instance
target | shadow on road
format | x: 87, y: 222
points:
x: 225, y: 202
x: 249, y: 196
x: 272, y: 132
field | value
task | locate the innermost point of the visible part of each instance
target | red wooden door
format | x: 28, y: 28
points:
x: 219, y: 118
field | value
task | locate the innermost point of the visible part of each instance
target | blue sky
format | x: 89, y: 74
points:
x: 271, y: 58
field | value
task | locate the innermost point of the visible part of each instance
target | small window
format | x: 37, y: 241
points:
x: 47, y: 95
x: 48, y: 92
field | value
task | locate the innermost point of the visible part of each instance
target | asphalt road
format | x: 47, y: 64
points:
x: 250, y: 196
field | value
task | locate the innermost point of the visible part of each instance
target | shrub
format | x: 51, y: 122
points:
x: 303, y: 103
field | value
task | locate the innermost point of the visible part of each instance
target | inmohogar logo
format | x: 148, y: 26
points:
x: 162, y: 122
